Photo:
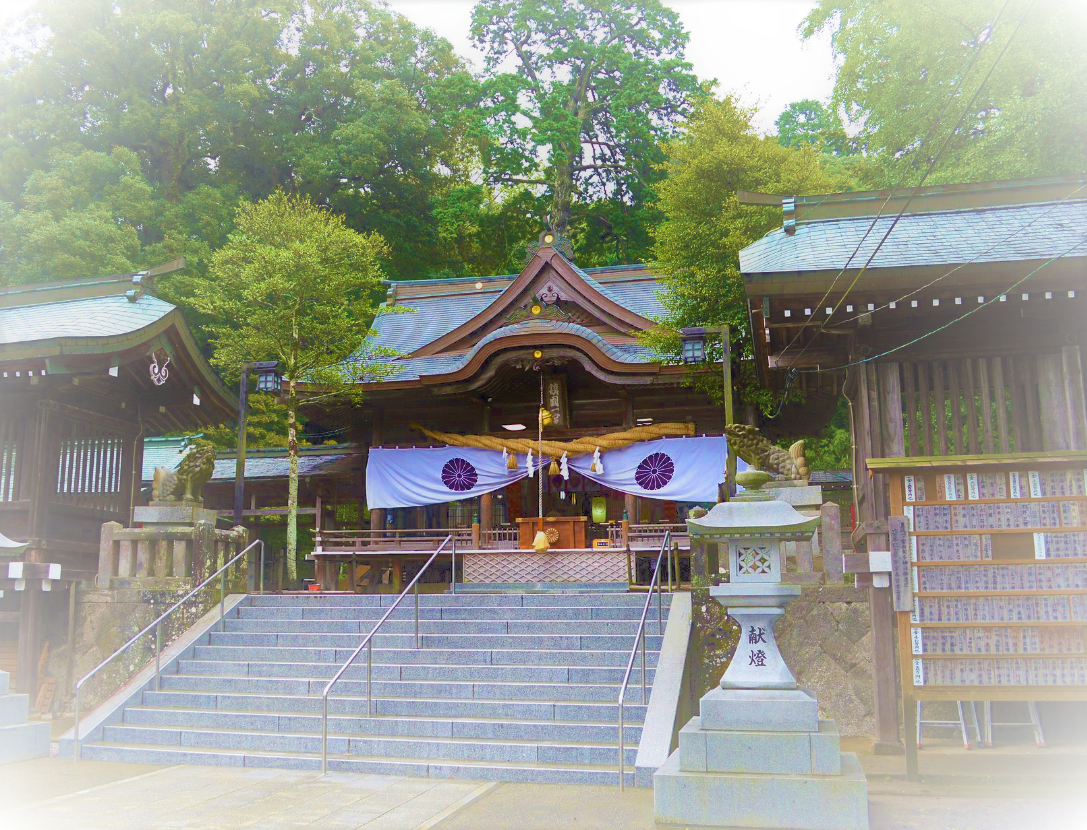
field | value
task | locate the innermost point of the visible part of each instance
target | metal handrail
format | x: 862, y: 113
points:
x: 639, y: 639
x: 368, y: 644
x: 157, y: 626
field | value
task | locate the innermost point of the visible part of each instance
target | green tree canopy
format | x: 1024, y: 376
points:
x: 578, y: 96
x: 206, y: 102
x: 810, y: 122
x: 901, y: 59
x: 705, y: 227
x: 294, y: 284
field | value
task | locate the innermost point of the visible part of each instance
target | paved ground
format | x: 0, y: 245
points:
x: 102, y: 796
x: 1011, y: 787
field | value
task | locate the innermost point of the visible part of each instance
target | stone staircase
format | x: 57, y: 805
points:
x: 506, y: 687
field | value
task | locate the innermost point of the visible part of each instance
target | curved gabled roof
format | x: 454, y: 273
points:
x: 414, y: 368
x: 88, y: 317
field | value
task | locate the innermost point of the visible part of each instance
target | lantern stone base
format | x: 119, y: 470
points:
x: 733, y: 799
x: 761, y: 758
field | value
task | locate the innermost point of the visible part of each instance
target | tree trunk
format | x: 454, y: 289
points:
x: 292, y: 483
x: 562, y: 187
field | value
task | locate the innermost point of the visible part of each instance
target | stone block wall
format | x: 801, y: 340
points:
x: 825, y: 637
x: 107, y: 619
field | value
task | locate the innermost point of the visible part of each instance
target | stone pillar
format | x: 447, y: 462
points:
x: 107, y: 561
x: 831, y: 531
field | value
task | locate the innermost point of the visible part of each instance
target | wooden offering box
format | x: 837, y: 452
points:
x: 990, y: 575
x: 571, y: 531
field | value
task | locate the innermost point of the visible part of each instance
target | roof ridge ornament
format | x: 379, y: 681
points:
x: 549, y: 239
x: 138, y: 286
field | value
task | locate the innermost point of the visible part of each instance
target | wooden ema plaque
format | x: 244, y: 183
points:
x: 995, y: 607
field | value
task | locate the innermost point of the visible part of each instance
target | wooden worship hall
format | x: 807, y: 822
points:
x: 478, y: 360
x: 954, y: 318
x: 88, y: 369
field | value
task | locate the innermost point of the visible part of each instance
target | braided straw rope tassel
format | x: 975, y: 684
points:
x: 580, y: 446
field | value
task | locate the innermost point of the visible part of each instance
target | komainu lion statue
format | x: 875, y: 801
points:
x: 749, y: 444
x: 185, y: 484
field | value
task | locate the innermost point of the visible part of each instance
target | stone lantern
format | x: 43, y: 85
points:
x: 758, y: 755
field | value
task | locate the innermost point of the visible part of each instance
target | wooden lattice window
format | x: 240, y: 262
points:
x: 10, y: 460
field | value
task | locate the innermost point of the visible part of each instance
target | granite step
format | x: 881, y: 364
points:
x: 506, y: 687
x: 565, y: 642
x: 573, y: 710
x: 420, y: 768
x: 444, y: 656
x: 526, y: 730
x: 481, y: 600
x: 538, y: 628
x: 401, y: 671
x: 406, y: 611
x: 462, y: 748
x: 466, y: 690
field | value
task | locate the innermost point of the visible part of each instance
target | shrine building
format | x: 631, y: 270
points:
x: 476, y: 361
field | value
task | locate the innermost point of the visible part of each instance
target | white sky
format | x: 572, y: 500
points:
x: 749, y: 46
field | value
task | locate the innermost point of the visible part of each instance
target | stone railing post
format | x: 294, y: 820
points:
x: 203, y: 552
x: 107, y: 554
x: 831, y: 531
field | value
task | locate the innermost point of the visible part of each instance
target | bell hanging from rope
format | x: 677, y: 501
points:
x: 546, y: 418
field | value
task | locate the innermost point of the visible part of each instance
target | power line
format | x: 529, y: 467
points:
x: 926, y: 335
x: 932, y: 165
x: 954, y: 92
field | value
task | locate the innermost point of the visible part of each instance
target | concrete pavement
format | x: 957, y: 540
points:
x: 1018, y: 787
x: 102, y: 796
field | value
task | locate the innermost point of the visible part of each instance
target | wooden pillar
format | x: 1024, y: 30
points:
x: 871, y: 430
x: 630, y: 502
x: 377, y: 514
x: 1075, y: 405
x: 30, y: 618
x: 486, y: 503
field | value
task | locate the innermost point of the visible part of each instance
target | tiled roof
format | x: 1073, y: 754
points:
x: 168, y: 452
x: 831, y: 477
x: 86, y: 317
x: 432, y: 317
x: 163, y: 452
x: 1038, y: 231
x: 274, y: 466
x: 414, y: 368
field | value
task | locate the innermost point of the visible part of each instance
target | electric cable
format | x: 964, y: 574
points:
x: 996, y: 298
x: 954, y: 92
x: 928, y: 172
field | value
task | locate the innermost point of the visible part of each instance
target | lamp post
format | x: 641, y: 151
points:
x: 268, y: 380
x: 694, y: 351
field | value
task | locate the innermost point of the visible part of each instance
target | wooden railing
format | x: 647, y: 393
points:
x: 647, y: 536
x: 652, y: 535
x: 354, y: 540
x: 501, y: 538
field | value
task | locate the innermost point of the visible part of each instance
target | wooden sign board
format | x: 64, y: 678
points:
x: 901, y: 572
